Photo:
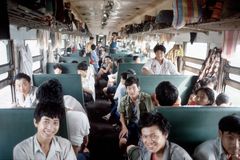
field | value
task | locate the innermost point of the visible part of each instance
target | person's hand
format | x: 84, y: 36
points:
x: 124, y: 132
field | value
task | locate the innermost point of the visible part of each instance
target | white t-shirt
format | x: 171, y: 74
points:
x: 166, y: 68
x: 89, y: 83
x: 78, y: 126
x: 73, y: 104
x: 120, y: 92
x: 30, y: 99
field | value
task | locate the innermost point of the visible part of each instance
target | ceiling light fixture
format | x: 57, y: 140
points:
x: 107, y: 9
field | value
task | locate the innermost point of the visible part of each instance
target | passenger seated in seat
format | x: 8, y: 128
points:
x: 159, y: 64
x: 223, y: 100
x: 206, y: 82
x: 205, y: 97
x: 136, y: 59
x: 25, y: 93
x: 154, y: 130
x: 87, y: 82
x: 226, y: 146
x: 120, y: 92
x: 132, y: 106
x: 105, y: 69
x: 167, y: 94
x: 45, y: 144
x: 58, y: 68
x: 76, y: 117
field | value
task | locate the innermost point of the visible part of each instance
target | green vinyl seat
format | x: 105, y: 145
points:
x: 68, y: 68
x: 16, y: 124
x: 190, y: 126
x: 71, y: 84
x: 184, y: 83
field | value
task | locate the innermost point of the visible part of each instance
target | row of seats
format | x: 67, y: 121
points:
x: 190, y: 126
x: 184, y: 83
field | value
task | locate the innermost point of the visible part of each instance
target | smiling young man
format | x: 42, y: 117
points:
x: 25, y: 93
x: 159, y: 64
x: 154, y: 130
x: 226, y: 146
x: 45, y: 145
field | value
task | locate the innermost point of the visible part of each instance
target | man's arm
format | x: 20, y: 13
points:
x: 146, y: 71
x: 124, y: 130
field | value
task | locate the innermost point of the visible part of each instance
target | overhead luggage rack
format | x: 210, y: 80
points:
x: 22, y: 16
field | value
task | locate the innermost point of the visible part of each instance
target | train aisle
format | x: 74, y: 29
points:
x: 103, y: 139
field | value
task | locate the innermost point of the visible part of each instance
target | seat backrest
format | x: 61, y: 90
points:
x: 68, y: 68
x: 71, y: 84
x: 184, y: 83
x: 71, y: 59
x: 123, y: 67
x: 190, y: 126
x: 15, y: 126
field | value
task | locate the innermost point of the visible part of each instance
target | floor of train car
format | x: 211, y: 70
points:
x: 103, y: 138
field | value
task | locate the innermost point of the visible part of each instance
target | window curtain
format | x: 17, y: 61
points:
x: 26, y: 61
x: 231, y: 40
x: 211, y: 66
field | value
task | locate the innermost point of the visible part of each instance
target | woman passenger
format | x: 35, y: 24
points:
x: 204, y: 96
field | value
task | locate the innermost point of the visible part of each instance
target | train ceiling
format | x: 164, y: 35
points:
x: 104, y: 16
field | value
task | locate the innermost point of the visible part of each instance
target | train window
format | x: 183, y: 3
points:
x: 168, y: 45
x: 36, y: 65
x: 7, y: 100
x: 196, y: 50
x: 232, y: 92
x: 3, y: 52
x: 234, y: 61
x: 3, y: 76
x: 34, y: 47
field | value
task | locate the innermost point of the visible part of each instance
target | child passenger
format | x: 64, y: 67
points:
x: 45, y: 144
x: 223, y: 100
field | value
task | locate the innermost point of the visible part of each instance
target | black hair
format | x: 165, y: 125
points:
x: 131, y: 71
x: 74, y: 61
x: 114, y: 33
x: 82, y: 66
x: 91, y: 38
x: 204, y: 82
x: 22, y: 76
x: 124, y: 75
x: 149, y: 119
x: 49, y: 109
x: 57, y: 65
x: 135, y: 58
x: 108, y: 57
x: 50, y: 92
x: 222, y: 98
x: 93, y: 46
x: 230, y: 123
x: 132, y: 80
x: 207, y: 80
x: 209, y: 92
x: 159, y: 47
x: 166, y: 93
x: 119, y: 61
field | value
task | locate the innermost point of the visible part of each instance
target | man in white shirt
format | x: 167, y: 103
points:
x: 159, y: 64
x: 87, y: 82
x: 45, y: 145
x: 25, y: 93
